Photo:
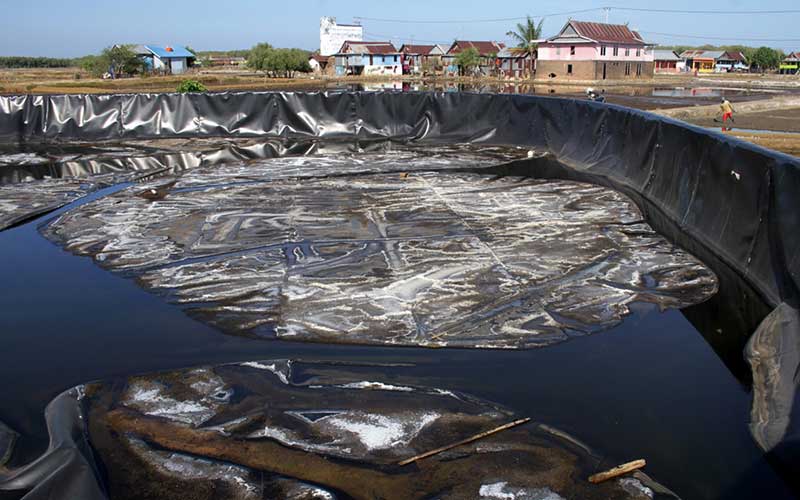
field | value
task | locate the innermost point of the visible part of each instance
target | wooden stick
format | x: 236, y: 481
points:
x: 464, y: 441
x: 617, y: 471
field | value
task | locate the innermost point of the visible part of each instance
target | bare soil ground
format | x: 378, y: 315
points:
x: 777, y: 120
x: 75, y: 81
x: 773, y: 123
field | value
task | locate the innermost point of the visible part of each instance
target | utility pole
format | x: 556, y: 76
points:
x: 606, y: 12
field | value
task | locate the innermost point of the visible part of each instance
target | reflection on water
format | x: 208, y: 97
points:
x: 651, y: 387
x: 639, y: 96
x: 705, y: 92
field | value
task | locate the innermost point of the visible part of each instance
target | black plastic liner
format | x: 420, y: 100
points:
x: 709, y: 193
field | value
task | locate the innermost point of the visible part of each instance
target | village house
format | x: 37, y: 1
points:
x: 731, y: 61
x: 319, y: 63
x: 790, y: 64
x: 368, y: 58
x: 486, y: 50
x: 514, y: 62
x: 416, y: 57
x: 701, y: 61
x: 666, y: 61
x: 169, y: 59
x: 595, y: 51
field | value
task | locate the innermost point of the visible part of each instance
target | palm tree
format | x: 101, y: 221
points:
x: 526, y: 33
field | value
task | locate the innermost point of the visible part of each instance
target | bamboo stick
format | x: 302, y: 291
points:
x: 617, y: 471
x: 464, y: 441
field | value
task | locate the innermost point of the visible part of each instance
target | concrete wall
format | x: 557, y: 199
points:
x: 377, y: 64
x: 591, y: 51
x: 178, y: 66
x: 332, y: 36
x: 666, y: 67
x: 593, y: 70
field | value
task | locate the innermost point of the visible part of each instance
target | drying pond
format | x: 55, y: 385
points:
x: 224, y: 255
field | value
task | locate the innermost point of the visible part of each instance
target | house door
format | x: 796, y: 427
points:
x: 604, y: 71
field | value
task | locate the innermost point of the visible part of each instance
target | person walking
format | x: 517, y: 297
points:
x: 727, y: 110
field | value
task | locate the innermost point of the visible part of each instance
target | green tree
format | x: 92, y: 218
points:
x: 468, y: 60
x: 524, y: 34
x: 96, y: 66
x: 277, y: 62
x: 258, y: 59
x: 123, y: 60
x: 765, y: 58
x: 117, y: 60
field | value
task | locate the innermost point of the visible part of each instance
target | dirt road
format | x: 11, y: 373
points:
x: 773, y: 123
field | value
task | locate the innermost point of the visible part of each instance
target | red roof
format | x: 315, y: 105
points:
x: 417, y: 49
x: 356, y: 47
x: 733, y: 56
x: 319, y: 58
x: 484, y: 48
x: 613, y: 33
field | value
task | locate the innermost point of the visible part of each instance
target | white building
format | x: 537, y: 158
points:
x: 332, y: 36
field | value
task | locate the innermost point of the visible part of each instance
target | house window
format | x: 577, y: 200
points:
x: 572, y: 50
x: 616, y: 50
x: 639, y: 69
x: 627, y: 69
x: 638, y: 52
x: 627, y: 51
x: 602, y: 50
x: 569, y: 69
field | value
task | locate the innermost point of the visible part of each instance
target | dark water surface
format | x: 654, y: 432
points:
x: 650, y: 388
x: 638, y: 96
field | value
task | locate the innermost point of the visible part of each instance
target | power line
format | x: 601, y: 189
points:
x: 607, y: 9
x: 467, y: 21
x: 379, y: 37
x: 704, y: 37
x: 411, y: 39
x: 714, y: 12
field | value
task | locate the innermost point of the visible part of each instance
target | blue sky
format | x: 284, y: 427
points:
x: 62, y: 28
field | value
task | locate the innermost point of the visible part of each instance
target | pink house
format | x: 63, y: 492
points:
x: 595, y: 51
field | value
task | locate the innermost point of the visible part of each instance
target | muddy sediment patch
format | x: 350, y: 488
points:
x: 304, y: 429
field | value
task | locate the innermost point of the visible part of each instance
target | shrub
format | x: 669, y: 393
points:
x: 191, y: 86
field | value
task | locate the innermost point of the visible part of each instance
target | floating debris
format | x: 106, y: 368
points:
x: 617, y: 471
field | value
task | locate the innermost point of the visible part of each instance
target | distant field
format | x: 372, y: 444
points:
x: 76, y: 81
